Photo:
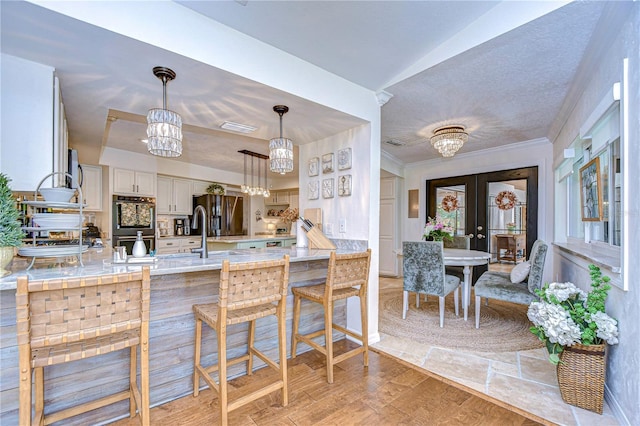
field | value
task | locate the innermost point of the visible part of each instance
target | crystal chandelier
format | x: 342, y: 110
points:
x: 281, y: 149
x: 449, y: 139
x: 164, y: 130
x: 248, y: 187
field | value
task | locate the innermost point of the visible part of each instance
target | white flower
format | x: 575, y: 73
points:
x: 556, y: 323
x: 607, y: 327
x: 564, y: 291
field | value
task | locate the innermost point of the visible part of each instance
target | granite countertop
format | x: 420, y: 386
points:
x: 249, y: 238
x: 99, y: 261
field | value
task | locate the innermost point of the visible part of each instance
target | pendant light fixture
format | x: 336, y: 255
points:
x: 250, y: 188
x: 164, y: 129
x: 281, y: 149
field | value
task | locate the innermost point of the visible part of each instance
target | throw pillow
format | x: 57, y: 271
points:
x: 520, y: 272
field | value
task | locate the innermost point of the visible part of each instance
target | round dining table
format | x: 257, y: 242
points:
x: 467, y: 259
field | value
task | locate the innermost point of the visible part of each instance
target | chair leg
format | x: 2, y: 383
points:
x: 365, y: 328
x: 441, y: 306
x: 295, y: 324
x: 133, y: 380
x: 478, y: 303
x: 144, y: 378
x: 39, y: 380
x: 405, y: 304
x: 456, y: 298
x: 328, y: 337
x: 417, y: 300
x: 222, y: 373
x: 26, y: 378
x: 196, y: 358
x: 252, y: 335
x: 282, y: 345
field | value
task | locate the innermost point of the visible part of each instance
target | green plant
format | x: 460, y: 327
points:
x: 566, y: 315
x: 215, y: 188
x: 437, y: 230
x: 11, y: 233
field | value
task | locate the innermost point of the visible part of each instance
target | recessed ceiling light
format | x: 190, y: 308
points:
x: 237, y: 127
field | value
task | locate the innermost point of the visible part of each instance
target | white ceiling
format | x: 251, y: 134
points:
x: 443, y: 62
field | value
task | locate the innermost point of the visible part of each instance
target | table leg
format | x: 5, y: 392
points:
x: 466, y: 290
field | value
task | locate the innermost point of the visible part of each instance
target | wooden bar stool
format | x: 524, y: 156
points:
x: 347, y: 276
x: 67, y: 319
x: 248, y: 291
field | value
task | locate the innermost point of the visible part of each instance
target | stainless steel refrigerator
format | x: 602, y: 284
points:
x: 225, y: 214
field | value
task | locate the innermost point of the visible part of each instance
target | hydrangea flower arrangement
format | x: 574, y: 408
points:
x: 566, y: 315
x: 437, y: 230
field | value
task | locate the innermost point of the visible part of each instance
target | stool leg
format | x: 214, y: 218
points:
x: 133, y: 380
x: 252, y: 335
x: 196, y: 358
x: 296, y: 319
x: 328, y: 337
x: 25, y: 389
x: 39, y: 380
x: 365, y: 327
x: 282, y: 343
x: 222, y: 372
x: 144, y: 377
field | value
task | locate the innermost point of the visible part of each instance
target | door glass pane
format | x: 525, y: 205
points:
x: 451, y: 207
x: 507, y: 221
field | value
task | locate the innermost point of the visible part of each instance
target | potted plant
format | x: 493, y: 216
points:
x: 215, y: 189
x: 575, y: 329
x: 436, y: 230
x: 11, y: 233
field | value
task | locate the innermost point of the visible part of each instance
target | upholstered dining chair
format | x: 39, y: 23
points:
x: 423, y: 270
x: 457, y: 242
x: 501, y: 285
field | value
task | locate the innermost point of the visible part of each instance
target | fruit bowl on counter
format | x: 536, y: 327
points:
x: 57, y: 195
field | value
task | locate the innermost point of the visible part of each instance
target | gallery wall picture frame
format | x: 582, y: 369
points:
x: 344, y: 185
x: 314, y: 166
x: 314, y: 190
x: 327, y: 188
x: 591, y: 191
x: 344, y: 159
x: 327, y: 163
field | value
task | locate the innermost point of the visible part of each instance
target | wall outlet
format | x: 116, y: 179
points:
x: 343, y: 226
x: 328, y: 228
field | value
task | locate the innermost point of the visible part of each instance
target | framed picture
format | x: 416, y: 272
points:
x: 327, y: 163
x: 327, y: 188
x: 314, y: 190
x: 591, y: 191
x: 314, y: 166
x: 344, y: 185
x: 344, y: 159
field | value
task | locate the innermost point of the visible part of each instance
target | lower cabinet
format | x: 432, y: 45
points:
x: 266, y: 243
x: 177, y: 245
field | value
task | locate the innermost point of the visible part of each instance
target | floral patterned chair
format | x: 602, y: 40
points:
x: 499, y: 285
x: 423, y: 269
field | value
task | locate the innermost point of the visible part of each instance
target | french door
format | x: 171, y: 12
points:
x: 487, y: 205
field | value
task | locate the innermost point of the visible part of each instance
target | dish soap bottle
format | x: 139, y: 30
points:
x: 139, y: 248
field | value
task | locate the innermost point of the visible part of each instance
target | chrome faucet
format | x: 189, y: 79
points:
x: 204, y: 253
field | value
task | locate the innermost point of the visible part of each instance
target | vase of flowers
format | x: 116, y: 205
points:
x: 289, y: 216
x: 436, y: 230
x: 575, y: 329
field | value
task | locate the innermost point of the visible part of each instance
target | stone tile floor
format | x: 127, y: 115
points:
x: 524, y: 379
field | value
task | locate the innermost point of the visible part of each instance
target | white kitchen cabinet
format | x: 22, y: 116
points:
x: 177, y: 245
x: 173, y: 196
x: 33, y: 136
x: 199, y: 187
x: 134, y: 182
x: 278, y: 198
x: 293, y: 199
x: 92, y: 187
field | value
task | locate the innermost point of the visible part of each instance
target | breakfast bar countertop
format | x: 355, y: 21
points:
x: 98, y: 261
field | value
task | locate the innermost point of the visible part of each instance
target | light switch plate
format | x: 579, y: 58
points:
x: 328, y: 228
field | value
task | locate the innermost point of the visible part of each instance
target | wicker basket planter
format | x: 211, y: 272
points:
x: 581, y: 376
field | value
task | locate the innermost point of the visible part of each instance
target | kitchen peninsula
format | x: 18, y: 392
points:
x: 177, y: 282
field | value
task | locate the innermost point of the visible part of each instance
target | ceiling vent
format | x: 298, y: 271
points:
x: 237, y: 127
x: 394, y: 142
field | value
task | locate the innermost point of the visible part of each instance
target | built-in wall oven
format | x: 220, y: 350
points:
x: 130, y: 215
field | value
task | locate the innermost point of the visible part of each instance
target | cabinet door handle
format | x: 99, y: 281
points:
x: 133, y: 188
x: 175, y: 207
x: 137, y: 188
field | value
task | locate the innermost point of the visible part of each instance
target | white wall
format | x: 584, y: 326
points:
x: 618, y: 38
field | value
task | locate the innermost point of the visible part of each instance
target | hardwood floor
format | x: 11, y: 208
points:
x: 387, y: 393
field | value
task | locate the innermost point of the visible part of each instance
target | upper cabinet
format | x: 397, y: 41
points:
x: 133, y: 182
x: 33, y: 132
x: 92, y: 187
x: 278, y: 198
x: 174, y: 196
x: 199, y: 187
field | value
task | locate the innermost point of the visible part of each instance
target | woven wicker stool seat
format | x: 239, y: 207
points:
x: 248, y: 292
x: 64, y: 320
x: 347, y: 276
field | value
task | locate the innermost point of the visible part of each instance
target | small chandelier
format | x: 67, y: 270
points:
x: 449, y: 139
x: 164, y: 130
x: 281, y: 149
x: 251, y: 188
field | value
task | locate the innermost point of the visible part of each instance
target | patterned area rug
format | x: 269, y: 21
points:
x: 504, y: 327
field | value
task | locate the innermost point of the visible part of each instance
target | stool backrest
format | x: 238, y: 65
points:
x: 458, y: 242
x: 67, y: 310
x: 348, y: 270
x: 243, y: 285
